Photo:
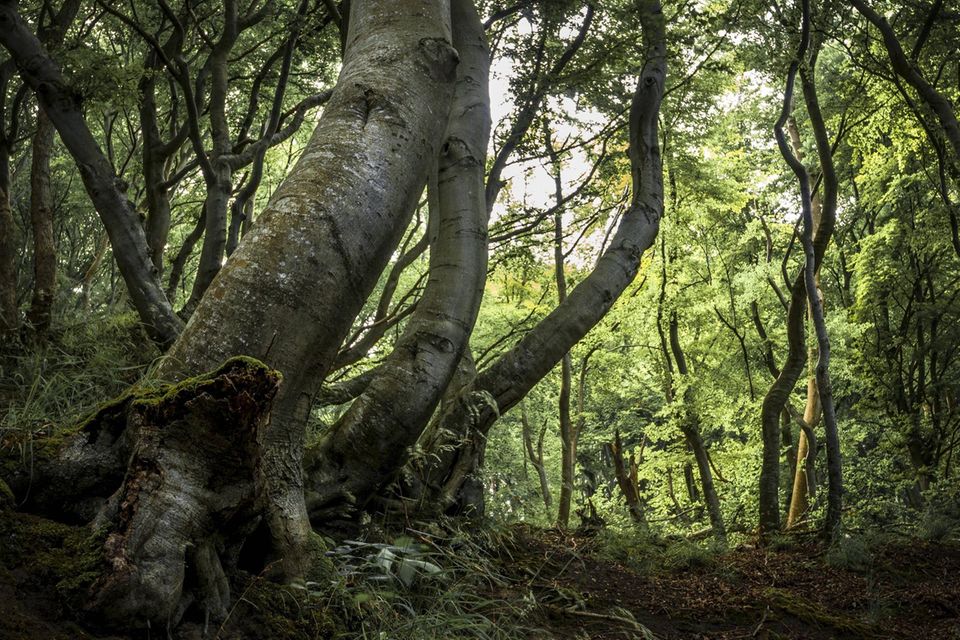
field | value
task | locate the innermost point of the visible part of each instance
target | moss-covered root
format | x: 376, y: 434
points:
x: 193, y: 492
x: 70, y: 473
x: 813, y: 614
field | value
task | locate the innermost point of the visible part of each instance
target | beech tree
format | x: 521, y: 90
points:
x: 371, y: 302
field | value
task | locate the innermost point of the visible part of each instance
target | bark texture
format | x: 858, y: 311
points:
x: 289, y: 293
x: 41, y: 222
x: 192, y: 493
x: 366, y: 447
x: 9, y: 311
x: 502, y: 385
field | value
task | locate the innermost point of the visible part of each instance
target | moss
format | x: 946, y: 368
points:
x: 812, y: 613
x: 321, y: 569
x: 153, y: 393
x: 6, y: 496
x: 51, y: 555
x: 266, y: 609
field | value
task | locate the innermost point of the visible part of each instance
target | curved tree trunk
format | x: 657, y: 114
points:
x: 502, y: 385
x: 289, y: 293
x: 366, y: 448
x: 814, y: 242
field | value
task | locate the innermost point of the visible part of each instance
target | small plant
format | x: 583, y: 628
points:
x: 851, y: 552
x: 937, y: 527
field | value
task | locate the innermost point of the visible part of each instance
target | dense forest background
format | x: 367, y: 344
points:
x: 685, y: 273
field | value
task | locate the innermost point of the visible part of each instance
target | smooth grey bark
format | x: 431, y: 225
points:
x: 505, y: 382
x: 126, y: 234
x: 367, y: 447
x: 289, y: 293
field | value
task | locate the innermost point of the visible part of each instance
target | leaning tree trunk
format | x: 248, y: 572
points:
x: 290, y: 292
x: 366, y: 448
x: 127, y: 237
x: 455, y: 439
x: 122, y: 225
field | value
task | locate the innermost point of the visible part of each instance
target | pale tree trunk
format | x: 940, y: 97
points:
x: 41, y: 222
x: 814, y: 244
x: 367, y: 447
x: 503, y: 384
x: 287, y: 297
x: 289, y: 293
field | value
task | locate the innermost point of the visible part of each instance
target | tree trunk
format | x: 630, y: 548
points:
x: 568, y: 434
x: 41, y: 221
x: 502, y: 385
x: 9, y: 311
x: 127, y: 237
x: 627, y: 480
x: 192, y: 493
x: 690, y: 426
x: 536, y: 456
x: 803, y: 481
x: 817, y: 234
x: 289, y: 294
x: 366, y: 448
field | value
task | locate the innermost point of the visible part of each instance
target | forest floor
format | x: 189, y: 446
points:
x: 582, y: 586
x: 902, y: 589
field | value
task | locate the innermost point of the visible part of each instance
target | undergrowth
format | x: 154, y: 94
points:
x: 55, y: 383
x: 440, y: 584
